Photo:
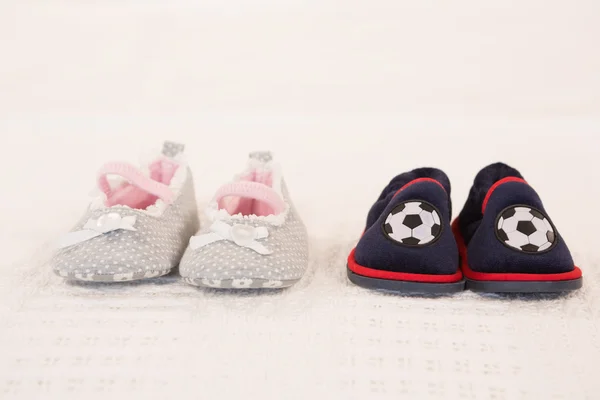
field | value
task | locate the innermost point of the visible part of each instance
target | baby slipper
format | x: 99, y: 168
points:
x: 508, y: 242
x: 253, y: 238
x: 408, y: 245
x: 137, y: 228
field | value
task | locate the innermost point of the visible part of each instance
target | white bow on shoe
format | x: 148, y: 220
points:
x: 95, y: 227
x: 242, y: 235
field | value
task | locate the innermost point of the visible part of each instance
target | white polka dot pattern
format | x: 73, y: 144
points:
x: 172, y: 149
x: 225, y: 264
x: 263, y: 156
x: 153, y: 250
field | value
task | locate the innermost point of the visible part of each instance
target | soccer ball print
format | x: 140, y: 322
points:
x: 413, y: 223
x: 526, y: 229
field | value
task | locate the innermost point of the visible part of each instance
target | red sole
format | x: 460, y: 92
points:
x: 400, y: 276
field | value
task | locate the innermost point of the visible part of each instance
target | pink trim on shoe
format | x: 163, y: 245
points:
x: 268, y: 201
x: 130, y: 193
x: 163, y: 170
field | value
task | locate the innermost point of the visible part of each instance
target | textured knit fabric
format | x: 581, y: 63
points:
x: 152, y: 250
x: 375, y: 250
x: 224, y: 264
x: 322, y: 339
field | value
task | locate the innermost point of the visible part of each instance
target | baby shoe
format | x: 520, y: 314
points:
x: 137, y: 228
x: 507, y: 241
x: 253, y: 238
x: 407, y: 245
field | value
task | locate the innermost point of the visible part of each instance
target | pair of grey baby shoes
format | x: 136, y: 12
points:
x: 145, y: 223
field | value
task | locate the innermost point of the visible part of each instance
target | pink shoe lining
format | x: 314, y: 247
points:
x: 139, y: 191
x: 252, y: 195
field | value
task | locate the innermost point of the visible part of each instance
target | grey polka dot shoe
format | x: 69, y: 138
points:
x: 138, y: 227
x: 253, y: 238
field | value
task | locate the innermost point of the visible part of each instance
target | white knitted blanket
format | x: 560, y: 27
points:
x: 323, y: 338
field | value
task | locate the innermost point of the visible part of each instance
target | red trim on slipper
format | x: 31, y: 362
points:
x: 495, y: 186
x: 399, y: 276
x: 418, y: 180
x: 495, y: 276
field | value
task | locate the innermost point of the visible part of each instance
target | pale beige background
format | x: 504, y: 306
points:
x: 348, y: 93
x: 531, y: 57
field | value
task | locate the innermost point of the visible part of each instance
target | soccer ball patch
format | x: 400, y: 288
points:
x: 526, y: 229
x: 413, y: 223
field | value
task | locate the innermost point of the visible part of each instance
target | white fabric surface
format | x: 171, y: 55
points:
x: 347, y: 94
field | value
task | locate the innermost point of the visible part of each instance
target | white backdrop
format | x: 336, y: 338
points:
x: 347, y: 94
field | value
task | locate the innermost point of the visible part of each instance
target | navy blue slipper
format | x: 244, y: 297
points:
x: 508, y: 242
x: 408, y: 245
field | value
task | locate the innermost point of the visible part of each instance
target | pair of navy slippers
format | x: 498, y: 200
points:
x: 502, y: 241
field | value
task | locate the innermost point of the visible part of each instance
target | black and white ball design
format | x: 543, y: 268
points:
x: 413, y: 223
x: 525, y: 228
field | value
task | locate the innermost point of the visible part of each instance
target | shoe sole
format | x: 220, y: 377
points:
x: 524, y: 286
x: 241, y: 283
x: 402, y: 282
x: 405, y: 286
x: 119, y: 277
